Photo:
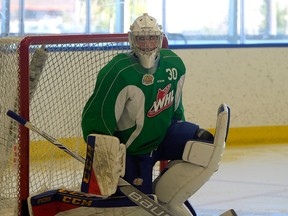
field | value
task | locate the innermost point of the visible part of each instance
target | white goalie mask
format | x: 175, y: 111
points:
x: 145, y: 39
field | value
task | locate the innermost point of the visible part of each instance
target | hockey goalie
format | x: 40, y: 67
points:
x: 134, y: 118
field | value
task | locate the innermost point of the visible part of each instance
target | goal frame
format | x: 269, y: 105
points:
x: 24, y: 137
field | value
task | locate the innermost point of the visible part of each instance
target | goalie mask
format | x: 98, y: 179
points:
x: 145, y: 39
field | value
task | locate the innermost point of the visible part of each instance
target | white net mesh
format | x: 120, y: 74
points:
x: 9, y: 171
x: 62, y: 77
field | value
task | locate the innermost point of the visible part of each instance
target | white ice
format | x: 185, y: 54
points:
x: 252, y: 180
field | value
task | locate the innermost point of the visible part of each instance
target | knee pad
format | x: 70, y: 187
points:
x: 198, y: 153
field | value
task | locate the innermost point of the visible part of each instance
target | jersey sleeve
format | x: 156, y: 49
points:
x: 99, y: 112
x: 179, y: 113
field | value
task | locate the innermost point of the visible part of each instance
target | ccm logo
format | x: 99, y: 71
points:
x: 145, y: 203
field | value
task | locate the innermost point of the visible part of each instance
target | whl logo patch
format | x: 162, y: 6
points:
x: 163, y: 101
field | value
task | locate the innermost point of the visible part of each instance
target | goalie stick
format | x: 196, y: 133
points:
x: 125, y: 187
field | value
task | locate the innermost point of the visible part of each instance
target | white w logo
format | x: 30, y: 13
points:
x: 164, y: 100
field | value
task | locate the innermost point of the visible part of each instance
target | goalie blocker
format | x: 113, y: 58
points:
x: 105, y: 163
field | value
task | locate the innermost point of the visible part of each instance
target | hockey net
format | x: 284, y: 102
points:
x: 47, y: 80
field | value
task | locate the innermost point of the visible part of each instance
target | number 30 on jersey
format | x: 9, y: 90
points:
x: 172, y: 73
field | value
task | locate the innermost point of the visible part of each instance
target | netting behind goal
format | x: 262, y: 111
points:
x: 47, y: 80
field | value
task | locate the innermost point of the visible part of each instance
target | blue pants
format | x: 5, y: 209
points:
x: 171, y: 148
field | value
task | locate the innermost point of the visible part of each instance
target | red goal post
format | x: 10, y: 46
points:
x: 47, y: 80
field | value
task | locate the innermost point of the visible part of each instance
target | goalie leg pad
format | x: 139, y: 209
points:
x: 179, y: 182
x: 105, y: 163
x: 183, y: 178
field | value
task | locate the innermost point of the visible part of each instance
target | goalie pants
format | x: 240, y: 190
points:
x: 140, y: 167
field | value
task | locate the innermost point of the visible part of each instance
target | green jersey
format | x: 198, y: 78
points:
x: 133, y: 105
